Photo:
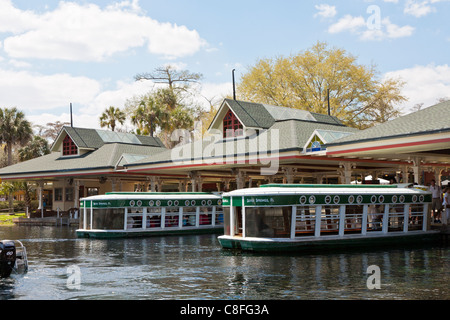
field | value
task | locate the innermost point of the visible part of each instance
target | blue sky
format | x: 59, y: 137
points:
x: 86, y: 52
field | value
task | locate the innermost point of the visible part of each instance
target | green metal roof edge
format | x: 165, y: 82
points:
x: 327, y: 186
x: 159, y: 193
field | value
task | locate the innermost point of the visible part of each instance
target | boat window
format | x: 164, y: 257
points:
x: 374, y: 217
x: 219, y: 215
x: 172, y: 216
x: 153, y: 217
x: 396, y: 217
x: 189, y: 216
x: 272, y: 222
x: 305, y: 221
x: 416, y: 216
x: 108, y: 219
x: 205, y: 217
x: 134, y: 218
x: 329, y: 220
x: 226, y: 221
x: 353, y: 219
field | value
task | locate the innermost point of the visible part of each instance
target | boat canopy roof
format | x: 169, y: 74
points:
x: 151, y: 199
x: 275, y: 189
x: 324, y: 194
x: 155, y: 195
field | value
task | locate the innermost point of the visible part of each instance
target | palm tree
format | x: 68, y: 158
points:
x: 148, y: 116
x: 110, y: 116
x: 14, y: 129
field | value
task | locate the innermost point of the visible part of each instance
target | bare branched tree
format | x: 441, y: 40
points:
x: 170, y: 75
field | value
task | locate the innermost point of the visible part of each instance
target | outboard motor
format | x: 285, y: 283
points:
x: 7, y: 257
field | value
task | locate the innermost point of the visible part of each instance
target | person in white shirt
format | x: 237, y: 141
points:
x: 446, y: 204
x: 436, y: 204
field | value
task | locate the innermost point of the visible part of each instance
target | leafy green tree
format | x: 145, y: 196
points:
x: 111, y: 116
x: 305, y: 80
x: 37, y: 147
x: 168, y: 105
x: 14, y: 130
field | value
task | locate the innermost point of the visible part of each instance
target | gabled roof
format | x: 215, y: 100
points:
x: 293, y: 135
x: 94, y: 138
x: 252, y: 115
x: 264, y: 116
x: 104, y: 150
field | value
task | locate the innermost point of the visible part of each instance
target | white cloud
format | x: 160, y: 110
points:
x: 19, y: 64
x: 31, y: 92
x: 348, y: 23
x: 385, y: 29
x: 424, y: 84
x: 77, y: 32
x: 418, y: 9
x: 325, y: 11
x: 79, y: 119
x: 117, y: 97
x: 38, y: 95
x: 15, y: 20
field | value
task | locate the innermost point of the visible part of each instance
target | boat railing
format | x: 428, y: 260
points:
x: 358, y: 219
x: 143, y: 218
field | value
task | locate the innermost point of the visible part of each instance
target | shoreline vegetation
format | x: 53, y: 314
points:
x: 6, y: 219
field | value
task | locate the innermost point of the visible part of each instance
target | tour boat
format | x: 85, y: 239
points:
x: 288, y: 217
x: 135, y: 214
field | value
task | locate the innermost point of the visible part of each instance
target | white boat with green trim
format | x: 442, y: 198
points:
x: 304, y: 217
x: 133, y: 214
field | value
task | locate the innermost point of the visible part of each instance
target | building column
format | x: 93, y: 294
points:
x: 416, y: 169
x: 76, y: 193
x: 193, y: 177
x: 155, y: 182
x: 319, y: 178
x: 226, y: 184
x: 346, y: 171
x: 182, y: 186
x: 405, y: 173
x: 240, y: 178
x: 289, y: 173
x: 438, y: 175
x: 41, y: 194
x: 199, y: 184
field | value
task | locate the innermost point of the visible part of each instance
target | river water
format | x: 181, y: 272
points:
x: 62, y: 267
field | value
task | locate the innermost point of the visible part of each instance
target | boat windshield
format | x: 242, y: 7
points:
x: 273, y: 222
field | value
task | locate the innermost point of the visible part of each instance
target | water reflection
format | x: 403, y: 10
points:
x: 195, y: 267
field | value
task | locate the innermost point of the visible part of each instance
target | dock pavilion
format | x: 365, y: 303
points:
x: 247, y: 144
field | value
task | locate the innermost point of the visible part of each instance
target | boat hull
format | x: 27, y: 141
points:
x: 107, y: 234
x: 326, y: 243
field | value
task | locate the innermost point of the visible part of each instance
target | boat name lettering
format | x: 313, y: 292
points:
x: 108, y: 203
x: 258, y: 200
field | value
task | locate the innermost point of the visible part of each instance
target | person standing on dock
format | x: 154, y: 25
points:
x: 446, y: 205
x: 436, y: 204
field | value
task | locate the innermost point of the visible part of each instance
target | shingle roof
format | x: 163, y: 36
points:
x: 292, y: 134
x: 253, y: 115
x: 258, y: 115
x: 94, y: 138
x: 104, y: 157
x: 429, y: 120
